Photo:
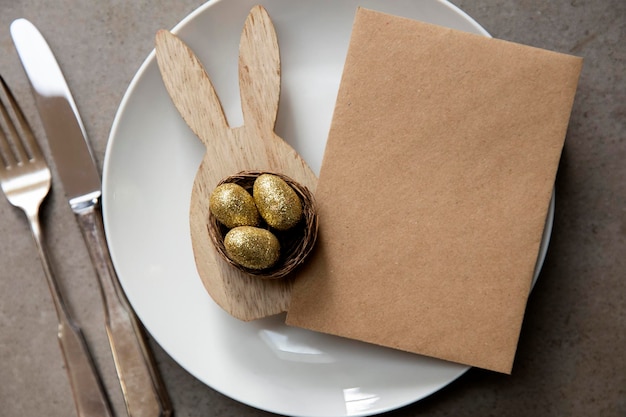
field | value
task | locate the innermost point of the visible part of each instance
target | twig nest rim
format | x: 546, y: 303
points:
x: 296, y: 243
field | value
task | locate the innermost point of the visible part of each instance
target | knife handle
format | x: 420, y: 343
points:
x: 142, y: 387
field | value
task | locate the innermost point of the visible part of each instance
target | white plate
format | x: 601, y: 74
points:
x: 149, y: 169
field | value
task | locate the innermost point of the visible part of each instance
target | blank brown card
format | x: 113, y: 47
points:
x: 434, y: 190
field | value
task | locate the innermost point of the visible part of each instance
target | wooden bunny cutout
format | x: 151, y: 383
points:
x: 253, y: 146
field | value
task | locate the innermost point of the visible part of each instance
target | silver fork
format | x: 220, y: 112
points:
x: 25, y: 180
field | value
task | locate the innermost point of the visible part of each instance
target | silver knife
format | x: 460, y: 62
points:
x: 142, y: 387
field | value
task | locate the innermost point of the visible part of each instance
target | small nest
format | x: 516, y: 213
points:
x: 295, y: 243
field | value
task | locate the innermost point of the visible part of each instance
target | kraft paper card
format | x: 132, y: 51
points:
x: 434, y: 190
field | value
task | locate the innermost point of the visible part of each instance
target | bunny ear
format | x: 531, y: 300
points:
x: 190, y: 87
x: 259, y: 70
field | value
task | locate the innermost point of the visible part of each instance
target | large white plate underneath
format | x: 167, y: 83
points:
x: 150, y: 164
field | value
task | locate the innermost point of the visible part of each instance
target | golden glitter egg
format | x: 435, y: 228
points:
x: 252, y: 247
x: 277, y: 202
x: 233, y: 206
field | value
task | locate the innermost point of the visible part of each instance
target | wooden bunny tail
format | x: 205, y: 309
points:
x: 259, y: 71
x: 182, y: 72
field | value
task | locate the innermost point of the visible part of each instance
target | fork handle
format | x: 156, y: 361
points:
x: 143, y: 389
x: 87, y: 390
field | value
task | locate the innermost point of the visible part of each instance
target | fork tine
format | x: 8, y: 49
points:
x: 24, y: 146
x: 5, y: 148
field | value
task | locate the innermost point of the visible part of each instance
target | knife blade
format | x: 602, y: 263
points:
x: 142, y: 387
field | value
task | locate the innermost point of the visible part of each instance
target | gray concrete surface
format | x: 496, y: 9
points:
x: 571, y: 359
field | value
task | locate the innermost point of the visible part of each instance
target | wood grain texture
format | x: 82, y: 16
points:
x: 252, y: 146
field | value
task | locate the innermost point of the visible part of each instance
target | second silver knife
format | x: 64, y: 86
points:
x: 144, y: 392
